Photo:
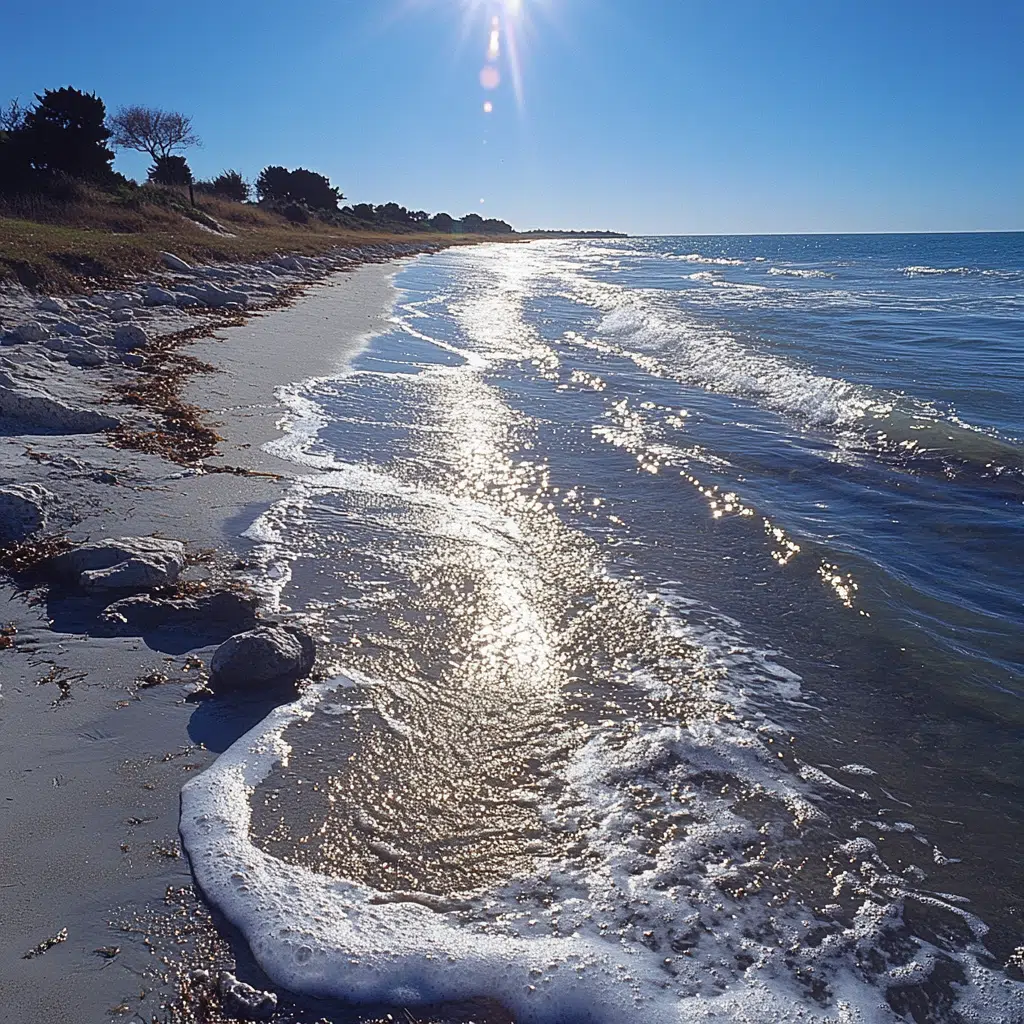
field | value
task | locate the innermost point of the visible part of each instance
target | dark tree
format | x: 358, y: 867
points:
x: 364, y: 211
x: 171, y: 170
x: 473, y: 224
x: 148, y: 130
x: 65, y: 132
x: 274, y: 183
x: 443, y: 222
x: 12, y: 117
x: 315, y: 190
x: 298, y: 186
x: 392, y: 213
x: 231, y: 185
x: 496, y: 227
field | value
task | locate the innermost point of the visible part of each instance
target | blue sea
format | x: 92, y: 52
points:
x: 675, y: 593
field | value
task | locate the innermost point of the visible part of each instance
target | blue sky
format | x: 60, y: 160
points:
x: 648, y: 116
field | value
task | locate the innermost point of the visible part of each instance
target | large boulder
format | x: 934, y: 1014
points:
x: 126, y: 563
x: 53, y: 305
x: 32, y: 331
x: 22, y: 511
x: 156, y: 296
x: 78, y: 352
x: 224, y: 611
x: 173, y: 262
x: 129, y: 337
x: 38, y: 410
x: 265, y: 656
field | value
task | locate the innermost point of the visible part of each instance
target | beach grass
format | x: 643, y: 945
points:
x: 102, y: 241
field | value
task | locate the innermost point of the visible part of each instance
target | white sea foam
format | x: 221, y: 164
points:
x: 720, y: 362
x: 798, y: 272
x: 641, y: 929
x: 696, y: 257
x: 643, y: 924
x: 928, y: 271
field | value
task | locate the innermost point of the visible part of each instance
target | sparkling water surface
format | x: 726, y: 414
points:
x: 683, y: 579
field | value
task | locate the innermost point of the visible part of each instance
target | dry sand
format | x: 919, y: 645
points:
x: 89, y: 775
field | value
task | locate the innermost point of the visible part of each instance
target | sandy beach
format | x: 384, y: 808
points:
x: 93, y: 760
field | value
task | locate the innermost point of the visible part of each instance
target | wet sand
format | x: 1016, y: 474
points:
x: 92, y: 763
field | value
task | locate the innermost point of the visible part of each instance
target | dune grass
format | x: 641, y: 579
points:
x: 98, y: 240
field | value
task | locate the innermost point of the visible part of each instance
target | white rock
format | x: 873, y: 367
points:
x: 125, y: 563
x: 131, y: 574
x: 267, y: 654
x: 175, y: 263
x: 79, y: 353
x: 38, y: 410
x: 67, y: 327
x: 130, y: 336
x: 84, y: 353
x: 155, y: 296
x: 31, y: 331
x: 221, y: 297
x: 22, y: 511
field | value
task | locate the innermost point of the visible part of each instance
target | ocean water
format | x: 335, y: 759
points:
x: 675, y: 592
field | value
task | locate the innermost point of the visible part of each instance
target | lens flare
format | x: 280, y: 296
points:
x: 488, y: 107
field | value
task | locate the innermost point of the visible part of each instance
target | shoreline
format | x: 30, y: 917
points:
x: 94, y: 758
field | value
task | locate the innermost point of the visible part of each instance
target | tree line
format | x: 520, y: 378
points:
x: 66, y: 136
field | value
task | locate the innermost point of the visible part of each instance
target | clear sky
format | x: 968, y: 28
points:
x: 647, y: 116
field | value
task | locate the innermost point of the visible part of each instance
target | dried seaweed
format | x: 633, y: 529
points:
x: 58, y: 675
x: 30, y: 556
x: 182, y: 436
x: 46, y: 945
x: 7, y: 635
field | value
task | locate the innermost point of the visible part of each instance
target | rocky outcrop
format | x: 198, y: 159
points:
x: 127, y: 563
x: 38, y: 410
x: 78, y: 352
x: 224, y: 611
x: 22, y: 511
x: 31, y: 331
x: 265, y: 656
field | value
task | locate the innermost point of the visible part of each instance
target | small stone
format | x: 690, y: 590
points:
x: 53, y: 305
x: 241, y: 1000
x: 120, y: 316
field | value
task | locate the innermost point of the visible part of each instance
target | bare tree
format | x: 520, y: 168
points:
x: 12, y: 116
x: 152, y: 131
